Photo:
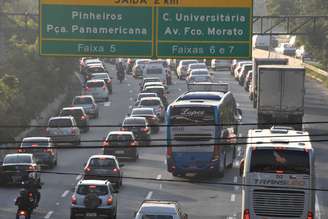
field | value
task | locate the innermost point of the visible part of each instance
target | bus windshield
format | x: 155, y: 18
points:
x: 192, y: 116
x: 285, y: 161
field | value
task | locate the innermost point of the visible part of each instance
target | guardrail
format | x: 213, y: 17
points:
x: 315, y: 69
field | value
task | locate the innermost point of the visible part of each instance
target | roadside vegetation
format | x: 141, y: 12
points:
x: 315, y: 42
x: 28, y: 82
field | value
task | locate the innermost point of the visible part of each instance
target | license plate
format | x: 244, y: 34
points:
x: 190, y: 174
x: 119, y: 152
x: 91, y: 214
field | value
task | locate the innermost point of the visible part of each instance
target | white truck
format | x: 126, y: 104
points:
x: 280, y: 98
x: 256, y: 63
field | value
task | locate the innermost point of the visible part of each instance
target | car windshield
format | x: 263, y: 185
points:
x: 198, y: 66
x: 158, y: 91
x: 95, y: 70
x: 142, y: 95
x: 137, y: 112
x: 95, y: 84
x: 17, y: 159
x: 199, y: 73
x: 82, y: 100
x: 134, y: 122
x: 35, y: 143
x: 100, y: 76
x: 102, y: 162
x: 286, y: 161
x: 154, y: 71
x: 87, y: 189
x: 150, y: 216
x: 60, y: 123
x: 150, y: 102
x: 74, y: 113
x: 119, y: 139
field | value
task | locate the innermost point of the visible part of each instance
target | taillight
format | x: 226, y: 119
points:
x: 110, y: 201
x: 22, y: 213
x: 216, y: 152
x: 310, y: 215
x: 246, y: 214
x: 20, y: 150
x: 145, y: 129
x: 87, y: 88
x: 169, y: 151
x: 73, y: 200
x: 115, y: 170
x: 124, y: 129
x: 30, y: 194
x: 105, y: 144
x: 109, y: 81
x: 73, y: 131
x: 104, y: 87
x: 83, y: 118
x: 87, y: 169
x: 47, y: 150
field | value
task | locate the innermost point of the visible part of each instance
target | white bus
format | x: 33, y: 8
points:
x: 278, y: 175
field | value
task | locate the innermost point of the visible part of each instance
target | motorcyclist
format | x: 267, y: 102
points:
x: 32, y: 185
x: 120, y: 70
x: 24, y: 204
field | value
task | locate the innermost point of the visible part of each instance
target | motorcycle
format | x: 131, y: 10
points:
x: 120, y: 76
x: 23, y: 214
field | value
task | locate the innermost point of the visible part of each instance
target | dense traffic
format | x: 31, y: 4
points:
x: 202, y: 129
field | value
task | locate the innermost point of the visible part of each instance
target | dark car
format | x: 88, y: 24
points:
x: 94, y: 198
x: 121, y: 144
x: 139, y: 127
x: 17, y: 168
x: 105, y: 167
x: 81, y: 118
x: 149, y: 115
x: 104, y: 76
x: 42, y: 149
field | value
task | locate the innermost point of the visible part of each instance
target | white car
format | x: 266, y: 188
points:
x: 183, y: 67
x: 217, y: 64
x: 97, y: 88
x: 155, y: 68
x: 196, y: 66
x: 286, y: 49
x: 139, y: 67
x: 64, y: 130
x: 160, y: 209
x: 155, y: 103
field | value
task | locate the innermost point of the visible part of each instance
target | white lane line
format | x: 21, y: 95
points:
x: 48, y: 215
x: 160, y: 186
x: 159, y: 176
x: 107, y: 104
x: 233, y: 198
x: 57, y: 203
x: 165, y: 161
x: 149, y: 195
x: 130, y: 107
x: 65, y: 194
x: 78, y: 177
x: 130, y: 91
x: 317, y: 208
x: 180, y: 89
x: 129, y: 85
x: 235, y: 180
x: 131, y: 98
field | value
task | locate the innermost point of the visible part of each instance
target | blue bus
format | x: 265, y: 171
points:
x: 201, y: 133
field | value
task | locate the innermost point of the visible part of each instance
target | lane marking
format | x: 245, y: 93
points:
x: 130, y: 91
x: 159, y: 176
x: 149, y: 195
x: 131, y: 99
x: 160, y: 186
x: 165, y: 161
x: 78, y: 177
x: 235, y: 180
x: 233, y: 198
x: 48, y: 215
x: 57, y: 203
x: 107, y: 104
x: 130, y: 107
x: 65, y: 194
x: 317, y: 208
x: 180, y: 89
x: 129, y: 85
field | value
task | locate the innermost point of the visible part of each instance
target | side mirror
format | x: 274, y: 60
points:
x: 241, y: 167
x: 121, y: 165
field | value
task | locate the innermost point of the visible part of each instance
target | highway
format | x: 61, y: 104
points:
x: 200, y: 200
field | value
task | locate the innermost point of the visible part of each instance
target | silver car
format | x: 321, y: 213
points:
x: 64, y: 130
x: 97, y: 88
x: 88, y: 103
x: 155, y: 103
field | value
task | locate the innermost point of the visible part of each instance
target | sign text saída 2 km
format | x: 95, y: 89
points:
x: 146, y: 28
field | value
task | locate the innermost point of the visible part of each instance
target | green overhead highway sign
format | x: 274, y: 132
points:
x: 146, y: 28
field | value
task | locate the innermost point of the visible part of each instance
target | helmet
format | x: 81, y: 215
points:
x: 23, y: 192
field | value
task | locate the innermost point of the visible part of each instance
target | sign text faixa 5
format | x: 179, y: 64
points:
x: 146, y: 28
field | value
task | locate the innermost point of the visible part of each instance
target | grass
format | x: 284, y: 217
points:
x: 315, y: 75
